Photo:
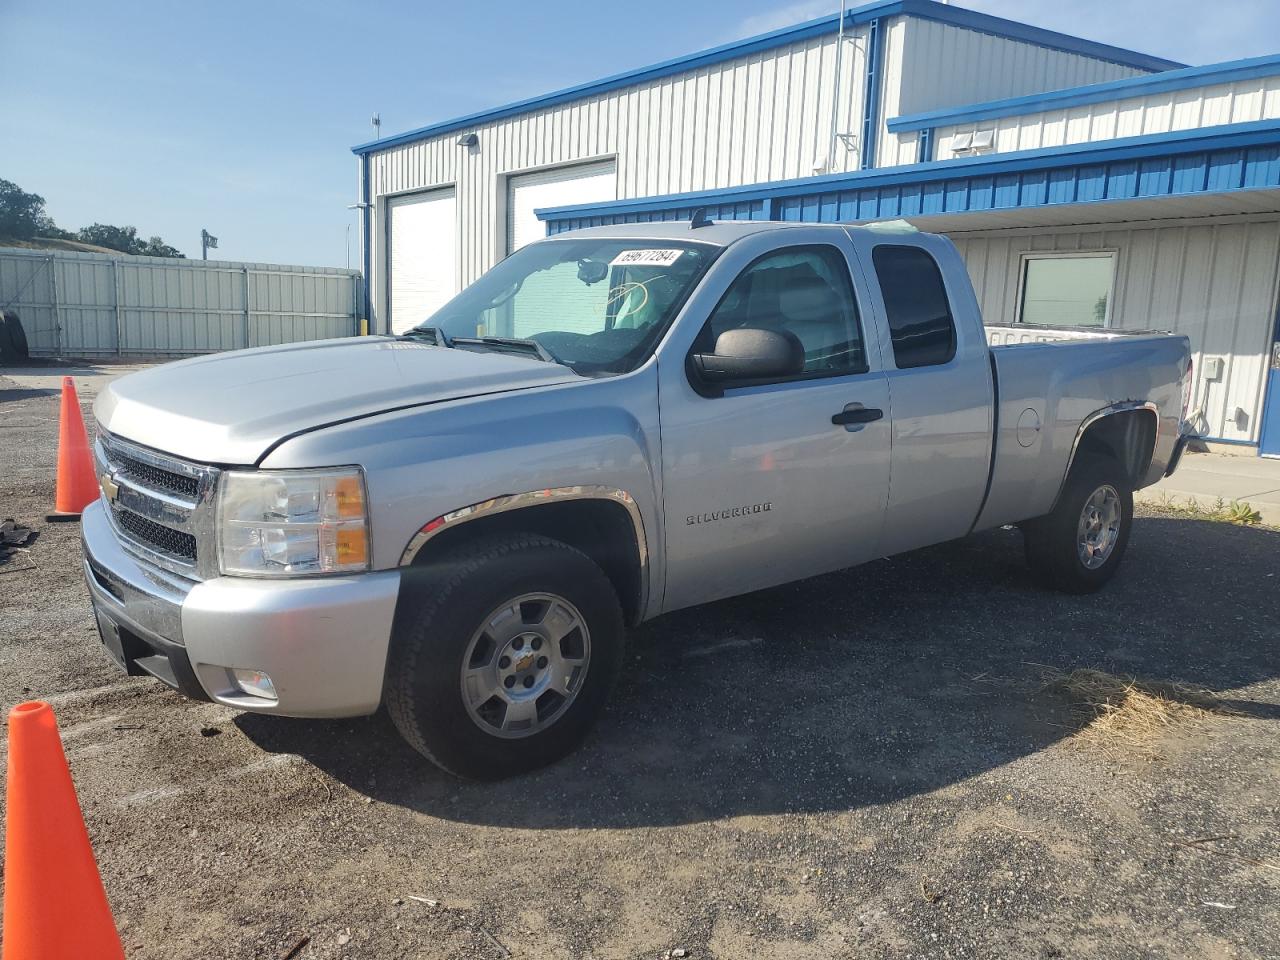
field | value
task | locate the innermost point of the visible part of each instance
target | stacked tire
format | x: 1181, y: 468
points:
x: 13, y: 339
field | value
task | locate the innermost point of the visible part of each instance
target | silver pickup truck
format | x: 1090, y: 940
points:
x: 460, y: 522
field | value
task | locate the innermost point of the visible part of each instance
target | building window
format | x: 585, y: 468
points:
x: 1068, y: 290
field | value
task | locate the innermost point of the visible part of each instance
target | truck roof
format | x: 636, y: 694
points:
x: 724, y: 232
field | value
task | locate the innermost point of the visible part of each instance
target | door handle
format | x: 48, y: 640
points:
x: 856, y: 413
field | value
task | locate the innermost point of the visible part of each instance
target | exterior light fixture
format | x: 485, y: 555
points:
x: 468, y: 140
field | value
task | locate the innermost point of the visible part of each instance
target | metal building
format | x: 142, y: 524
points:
x: 1083, y: 183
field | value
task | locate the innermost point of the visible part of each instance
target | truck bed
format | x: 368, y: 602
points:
x: 1050, y: 383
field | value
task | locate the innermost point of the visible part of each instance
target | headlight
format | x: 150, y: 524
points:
x: 286, y: 523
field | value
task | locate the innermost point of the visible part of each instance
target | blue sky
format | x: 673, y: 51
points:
x: 239, y: 117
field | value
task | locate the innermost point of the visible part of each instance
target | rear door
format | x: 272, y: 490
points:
x: 938, y: 369
x: 759, y: 486
x: 422, y: 263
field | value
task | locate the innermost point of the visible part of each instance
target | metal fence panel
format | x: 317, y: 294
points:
x: 26, y: 285
x: 86, y: 306
x: 285, y: 304
x: 99, y: 305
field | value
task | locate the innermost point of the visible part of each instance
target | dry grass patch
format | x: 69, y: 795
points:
x: 1124, y: 714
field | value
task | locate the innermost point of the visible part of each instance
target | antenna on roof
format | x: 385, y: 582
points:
x: 699, y: 219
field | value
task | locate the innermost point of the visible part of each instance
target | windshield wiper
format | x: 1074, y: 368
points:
x: 437, y: 336
x: 514, y: 344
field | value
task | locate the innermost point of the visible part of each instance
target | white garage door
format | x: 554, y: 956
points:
x: 422, y: 261
x: 557, y: 187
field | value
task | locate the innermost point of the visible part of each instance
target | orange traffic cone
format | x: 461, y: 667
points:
x: 54, y: 904
x: 77, y: 483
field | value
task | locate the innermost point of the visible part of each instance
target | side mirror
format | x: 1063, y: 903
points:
x: 751, y: 354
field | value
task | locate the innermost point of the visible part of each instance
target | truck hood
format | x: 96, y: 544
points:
x: 231, y: 408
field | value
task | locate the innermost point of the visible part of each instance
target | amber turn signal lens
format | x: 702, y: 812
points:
x: 352, y: 546
x: 348, y: 494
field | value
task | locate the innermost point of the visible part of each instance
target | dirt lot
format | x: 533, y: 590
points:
x: 861, y: 765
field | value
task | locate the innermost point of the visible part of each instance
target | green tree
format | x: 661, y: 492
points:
x: 155, y: 247
x: 126, y: 240
x: 22, y: 217
x: 22, y: 214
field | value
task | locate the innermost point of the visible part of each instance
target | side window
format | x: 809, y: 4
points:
x: 915, y: 301
x: 805, y: 291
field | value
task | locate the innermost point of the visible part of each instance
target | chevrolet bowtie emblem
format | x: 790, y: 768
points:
x: 110, y: 489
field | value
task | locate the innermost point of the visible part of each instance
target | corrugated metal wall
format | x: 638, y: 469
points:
x: 96, y: 305
x: 1217, y: 283
x: 1239, y: 102
x: 766, y: 116
x: 931, y: 65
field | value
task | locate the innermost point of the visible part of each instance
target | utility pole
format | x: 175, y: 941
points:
x: 207, y: 242
x: 376, y: 120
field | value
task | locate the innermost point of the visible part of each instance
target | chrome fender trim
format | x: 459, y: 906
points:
x: 1122, y: 406
x: 520, y: 501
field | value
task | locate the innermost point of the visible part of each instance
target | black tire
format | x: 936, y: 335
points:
x: 442, y: 607
x: 17, y: 336
x: 1052, y: 541
x: 8, y: 349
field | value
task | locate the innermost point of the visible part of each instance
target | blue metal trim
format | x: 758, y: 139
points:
x: 1128, y: 164
x: 925, y: 144
x: 1270, y: 399
x: 1250, y: 69
x: 871, y: 102
x: 924, y: 9
x: 366, y: 229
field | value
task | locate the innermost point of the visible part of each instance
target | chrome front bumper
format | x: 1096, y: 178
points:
x: 323, y: 641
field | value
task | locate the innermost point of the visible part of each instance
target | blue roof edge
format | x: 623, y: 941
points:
x: 924, y: 9
x: 1231, y: 70
x: 1126, y: 148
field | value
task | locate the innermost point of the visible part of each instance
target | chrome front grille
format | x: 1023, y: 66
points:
x: 161, y: 507
x: 157, y: 478
x: 170, y: 542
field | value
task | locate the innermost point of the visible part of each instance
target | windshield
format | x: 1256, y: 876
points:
x: 597, y: 306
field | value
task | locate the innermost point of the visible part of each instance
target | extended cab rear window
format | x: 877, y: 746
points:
x: 916, y: 306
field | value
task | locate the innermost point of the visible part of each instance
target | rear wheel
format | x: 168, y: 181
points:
x: 1077, y: 547
x: 504, y: 655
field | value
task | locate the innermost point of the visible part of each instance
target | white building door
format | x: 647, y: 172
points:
x: 422, y: 262
x: 555, y: 187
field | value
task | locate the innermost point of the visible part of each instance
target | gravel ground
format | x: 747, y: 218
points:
x: 861, y: 765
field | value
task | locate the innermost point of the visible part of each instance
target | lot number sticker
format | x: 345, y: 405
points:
x: 646, y: 258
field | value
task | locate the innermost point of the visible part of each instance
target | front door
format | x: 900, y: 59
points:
x: 760, y: 487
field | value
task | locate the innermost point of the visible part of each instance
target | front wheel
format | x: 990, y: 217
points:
x: 1077, y: 547
x: 504, y: 655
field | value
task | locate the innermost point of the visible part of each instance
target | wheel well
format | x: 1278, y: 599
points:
x: 1128, y: 436
x: 601, y: 529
